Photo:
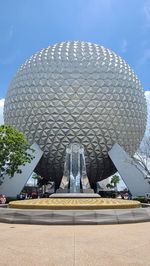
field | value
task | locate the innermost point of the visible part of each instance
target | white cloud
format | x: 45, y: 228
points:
x: 147, y: 95
x: 146, y: 11
x: 1, y: 111
x: 8, y: 33
x: 145, y: 57
x: 11, y: 32
x: 124, y: 46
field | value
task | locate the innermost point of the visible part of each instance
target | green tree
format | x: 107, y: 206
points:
x: 37, y: 178
x: 14, y: 151
x: 115, y: 180
x: 113, y: 183
x: 142, y: 157
x: 109, y: 186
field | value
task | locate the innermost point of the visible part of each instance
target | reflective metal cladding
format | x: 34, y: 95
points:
x: 77, y: 92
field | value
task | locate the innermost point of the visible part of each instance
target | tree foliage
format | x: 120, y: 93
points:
x: 14, y: 151
x: 115, y: 180
x: 113, y: 183
x: 38, y: 178
x: 142, y: 156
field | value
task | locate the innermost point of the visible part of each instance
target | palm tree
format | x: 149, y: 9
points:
x: 113, y: 183
x: 115, y: 180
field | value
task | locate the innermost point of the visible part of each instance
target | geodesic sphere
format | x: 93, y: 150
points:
x: 77, y: 92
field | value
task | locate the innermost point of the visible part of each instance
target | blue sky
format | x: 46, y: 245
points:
x: 26, y: 26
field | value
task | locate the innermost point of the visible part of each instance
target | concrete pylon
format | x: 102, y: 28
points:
x: 12, y: 186
x: 130, y: 171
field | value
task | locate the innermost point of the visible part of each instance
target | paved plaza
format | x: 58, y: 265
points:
x: 80, y: 245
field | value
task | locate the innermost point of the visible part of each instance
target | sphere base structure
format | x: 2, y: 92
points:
x: 74, y: 217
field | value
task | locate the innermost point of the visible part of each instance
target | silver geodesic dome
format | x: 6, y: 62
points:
x: 77, y: 92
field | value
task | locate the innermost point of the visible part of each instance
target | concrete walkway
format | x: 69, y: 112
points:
x: 96, y: 245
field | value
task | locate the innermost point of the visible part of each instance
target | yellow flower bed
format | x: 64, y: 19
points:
x: 74, y: 203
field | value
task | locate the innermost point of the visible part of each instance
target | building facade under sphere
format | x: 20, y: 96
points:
x: 77, y: 92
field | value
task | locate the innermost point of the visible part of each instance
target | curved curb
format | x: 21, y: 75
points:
x: 76, y: 203
x: 74, y: 217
